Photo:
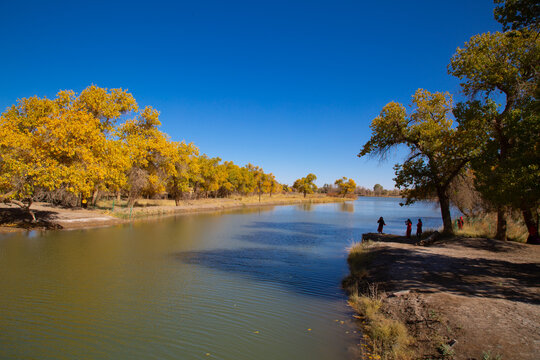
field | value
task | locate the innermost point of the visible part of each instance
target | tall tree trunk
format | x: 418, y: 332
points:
x: 501, y: 224
x: 132, y: 197
x: 444, y: 203
x: 528, y: 217
x: 95, y: 197
x: 532, y: 226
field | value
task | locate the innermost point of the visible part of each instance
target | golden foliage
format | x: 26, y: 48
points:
x: 73, y: 144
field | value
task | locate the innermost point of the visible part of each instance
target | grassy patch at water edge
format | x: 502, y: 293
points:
x: 384, y: 337
x: 486, y: 226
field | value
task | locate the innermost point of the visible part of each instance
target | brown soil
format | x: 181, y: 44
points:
x: 51, y: 217
x: 482, y: 293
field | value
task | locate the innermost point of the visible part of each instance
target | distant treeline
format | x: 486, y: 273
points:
x: 378, y: 190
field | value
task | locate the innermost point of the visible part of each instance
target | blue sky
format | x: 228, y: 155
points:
x: 290, y: 86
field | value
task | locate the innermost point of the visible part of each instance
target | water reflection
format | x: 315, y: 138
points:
x: 347, y: 206
x: 306, y: 207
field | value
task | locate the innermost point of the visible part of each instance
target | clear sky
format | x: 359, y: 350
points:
x: 291, y: 86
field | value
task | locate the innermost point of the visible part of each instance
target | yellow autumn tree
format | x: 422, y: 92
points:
x: 56, y: 146
x: 151, y: 155
x: 306, y: 184
x: 185, y: 164
x: 345, y: 186
x: 212, y: 175
x: 75, y: 147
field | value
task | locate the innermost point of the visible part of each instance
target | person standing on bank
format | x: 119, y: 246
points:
x: 409, y: 227
x: 419, y: 228
x: 381, y: 224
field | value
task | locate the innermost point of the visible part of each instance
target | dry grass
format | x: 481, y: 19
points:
x: 359, y: 258
x: 486, y: 226
x: 385, y: 338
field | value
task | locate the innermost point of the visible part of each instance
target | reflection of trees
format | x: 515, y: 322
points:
x: 346, y: 207
x: 306, y: 207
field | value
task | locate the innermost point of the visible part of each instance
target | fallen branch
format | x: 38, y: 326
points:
x: 429, y: 240
x: 22, y: 205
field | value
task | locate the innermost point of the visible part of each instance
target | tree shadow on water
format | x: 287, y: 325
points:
x: 306, y: 258
x: 336, y: 233
x: 299, y: 272
x: 274, y: 238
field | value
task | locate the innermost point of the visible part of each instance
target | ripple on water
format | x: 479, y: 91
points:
x: 237, y: 286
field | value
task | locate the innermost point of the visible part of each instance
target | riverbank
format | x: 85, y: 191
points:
x: 458, y: 298
x: 107, y: 213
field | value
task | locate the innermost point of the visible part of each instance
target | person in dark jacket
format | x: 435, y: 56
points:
x: 381, y: 224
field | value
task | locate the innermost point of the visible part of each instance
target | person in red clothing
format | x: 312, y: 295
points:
x: 460, y: 223
x: 409, y: 227
x: 419, y: 228
x: 381, y: 224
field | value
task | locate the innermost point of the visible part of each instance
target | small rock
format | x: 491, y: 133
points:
x: 401, y: 293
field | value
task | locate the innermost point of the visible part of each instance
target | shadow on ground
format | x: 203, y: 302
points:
x: 486, y: 244
x: 403, y: 269
x: 23, y: 219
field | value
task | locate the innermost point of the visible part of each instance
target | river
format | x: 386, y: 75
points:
x: 248, y: 284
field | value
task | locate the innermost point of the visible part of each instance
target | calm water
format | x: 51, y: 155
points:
x: 236, y: 285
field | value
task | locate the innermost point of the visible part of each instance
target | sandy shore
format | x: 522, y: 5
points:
x: 12, y: 218
x: 465, y: 297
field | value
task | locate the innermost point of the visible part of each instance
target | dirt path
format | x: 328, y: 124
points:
x: 483, y: 293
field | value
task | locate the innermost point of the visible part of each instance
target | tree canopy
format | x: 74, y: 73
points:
x: 345, y: 186
x: 438, y: 150
x: 518, y: 14
x: 507, y: 168
x: 73, y: 147
x: 306, y: 184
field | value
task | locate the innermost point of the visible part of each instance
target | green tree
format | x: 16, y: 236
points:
x: 518, y: 14
x: 507, y: 170
x: 306, y: 184
x: 378, y: 189
x: 438, y: 151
